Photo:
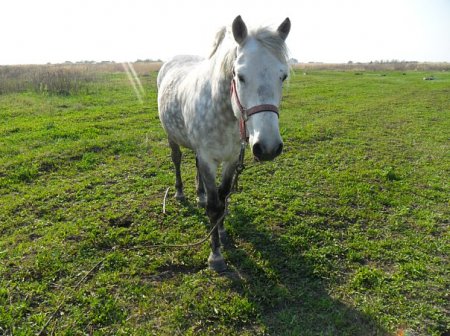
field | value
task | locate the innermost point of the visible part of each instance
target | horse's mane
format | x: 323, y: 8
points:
x: 226, y: 65
x: 267, y: 37
x: 220, y: 35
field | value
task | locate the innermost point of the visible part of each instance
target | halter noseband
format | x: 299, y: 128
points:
x: 247, y: 113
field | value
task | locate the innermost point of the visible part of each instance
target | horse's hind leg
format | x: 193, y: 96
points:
x: 176, y: 158
x: 201, y: 194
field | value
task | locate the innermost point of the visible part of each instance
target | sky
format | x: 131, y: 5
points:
x: 55, y: 31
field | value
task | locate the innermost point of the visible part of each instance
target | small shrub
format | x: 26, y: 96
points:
x: 49, y: 79
x: 367, y: 278
x: 25, y: 173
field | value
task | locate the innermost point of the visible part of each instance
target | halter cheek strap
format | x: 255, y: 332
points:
x: 247, y: 113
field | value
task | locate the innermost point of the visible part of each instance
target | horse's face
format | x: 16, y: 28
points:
x: 259, y: 77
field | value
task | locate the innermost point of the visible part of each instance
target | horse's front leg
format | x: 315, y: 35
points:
x: 214, y: 210
x: 229, y: 169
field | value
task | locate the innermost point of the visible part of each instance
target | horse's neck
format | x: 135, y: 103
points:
x: 221, y: 80
x: 222, y: 87
x: 222, y: 99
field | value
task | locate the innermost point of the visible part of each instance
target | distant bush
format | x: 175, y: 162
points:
x: 12, y: 79
x: 375, y: 66
x: 49, y: 79
x: 63, y: 79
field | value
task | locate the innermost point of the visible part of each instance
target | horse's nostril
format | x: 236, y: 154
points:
x: 257, y: 150
x: 279, y: 149
x: 261, y: 153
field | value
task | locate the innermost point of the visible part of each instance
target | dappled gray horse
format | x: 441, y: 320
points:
x: 212, y: 105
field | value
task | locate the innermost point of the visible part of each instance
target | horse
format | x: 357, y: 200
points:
x: 217, y: 105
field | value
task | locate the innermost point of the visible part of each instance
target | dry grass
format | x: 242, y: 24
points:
x: 48, y: 79
x: 62, y: 79
x: 375, y: 66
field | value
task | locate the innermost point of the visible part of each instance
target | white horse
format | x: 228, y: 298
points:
x: 213, y: 105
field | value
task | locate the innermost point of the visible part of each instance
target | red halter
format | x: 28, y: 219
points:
x: 246, y: 113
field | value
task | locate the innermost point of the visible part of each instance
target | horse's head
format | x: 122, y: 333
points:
x: 259, y: 71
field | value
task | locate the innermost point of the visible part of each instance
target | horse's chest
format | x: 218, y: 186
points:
x: 216, y: 133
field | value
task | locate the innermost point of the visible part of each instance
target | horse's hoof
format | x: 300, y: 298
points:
x: 217, y: 263
x: 201, y: 201
x: 179, y: 196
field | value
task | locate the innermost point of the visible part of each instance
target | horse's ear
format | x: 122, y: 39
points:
x: 284, y: 29
x: 239, y: 30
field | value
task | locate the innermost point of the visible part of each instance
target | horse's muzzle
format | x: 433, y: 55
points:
x: 264, y: 153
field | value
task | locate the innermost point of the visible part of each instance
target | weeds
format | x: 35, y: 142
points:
x: 63, y: 80
x: 57, y: 80
x: 380, y: 66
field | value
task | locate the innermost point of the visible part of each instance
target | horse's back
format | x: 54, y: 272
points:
x: 172, y: 82
x: 177, y: 67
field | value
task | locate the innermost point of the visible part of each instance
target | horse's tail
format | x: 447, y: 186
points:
x: 161, y: 73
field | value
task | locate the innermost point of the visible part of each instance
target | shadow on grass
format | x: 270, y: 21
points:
x: 291, y: 298
x: 288, y: 292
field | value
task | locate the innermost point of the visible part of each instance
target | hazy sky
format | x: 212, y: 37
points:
x: 41, y: 31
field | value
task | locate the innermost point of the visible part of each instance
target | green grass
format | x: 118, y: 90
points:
x: 345, y: 234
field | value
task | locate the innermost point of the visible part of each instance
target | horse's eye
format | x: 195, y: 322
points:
x: 241, y: 78
x: 283, y: 78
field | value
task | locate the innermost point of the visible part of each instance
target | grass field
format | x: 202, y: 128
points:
x: 346, y: 233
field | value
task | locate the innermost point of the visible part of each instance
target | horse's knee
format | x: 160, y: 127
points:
x: 214, y: 210
x: 223, y: 193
